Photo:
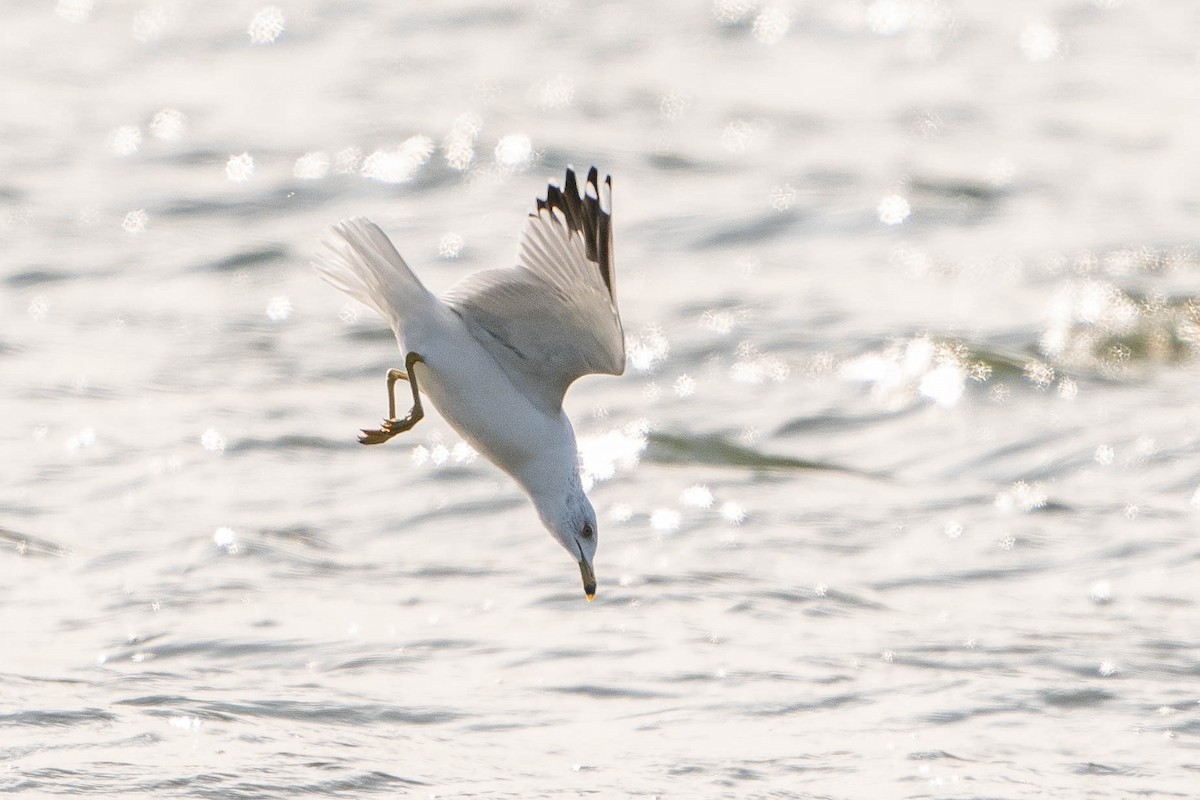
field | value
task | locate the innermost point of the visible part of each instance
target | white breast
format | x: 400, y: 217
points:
x: 480, y: 401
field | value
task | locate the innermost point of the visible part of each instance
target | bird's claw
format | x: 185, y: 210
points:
x: 378, y: 436
x: 387, y: 430
x: 373, y: 437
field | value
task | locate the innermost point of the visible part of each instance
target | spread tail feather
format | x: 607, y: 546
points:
x: 359, y: 259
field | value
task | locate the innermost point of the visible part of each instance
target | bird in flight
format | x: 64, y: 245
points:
x: 496, y: 353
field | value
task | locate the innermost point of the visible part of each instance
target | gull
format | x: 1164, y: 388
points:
x: 496, y: 353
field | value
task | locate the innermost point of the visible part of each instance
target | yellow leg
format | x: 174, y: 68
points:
x: 392, y: 426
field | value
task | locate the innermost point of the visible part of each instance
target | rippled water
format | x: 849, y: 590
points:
x: 899, y: 496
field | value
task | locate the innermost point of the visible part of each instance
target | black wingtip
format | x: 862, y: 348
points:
x: 584, y: 214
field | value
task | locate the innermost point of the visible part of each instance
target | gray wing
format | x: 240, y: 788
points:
x: 552, y: 318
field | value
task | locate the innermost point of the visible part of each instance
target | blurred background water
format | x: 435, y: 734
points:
x: 898, y: 497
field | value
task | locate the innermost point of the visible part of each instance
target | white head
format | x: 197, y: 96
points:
x: 570, y: 518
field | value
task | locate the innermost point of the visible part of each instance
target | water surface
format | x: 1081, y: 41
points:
x: 898, y: 497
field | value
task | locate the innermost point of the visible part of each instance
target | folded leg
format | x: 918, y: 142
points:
x: 392, y: 426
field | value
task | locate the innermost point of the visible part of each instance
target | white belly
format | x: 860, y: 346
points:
x: 477, y: 398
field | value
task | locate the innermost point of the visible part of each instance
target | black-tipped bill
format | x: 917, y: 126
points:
x: 589, y: 579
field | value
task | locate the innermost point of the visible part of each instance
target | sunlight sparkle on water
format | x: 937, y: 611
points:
x: 39, y: 306
x: 1040, y: 43
x: 149, y: 23
x: 459, y: 145
x: 463, y: 453
x: 739, y: 135
x: 753, y: 367
x: 514, y: 152
x: 600, y: 456
x: 212, y: 441
x: 665, y: 520
x: 400, y: 163
x: 266, y: 26
x: 125, y: 140
x: 646, y: 351
x: 167, y: 124
x: 697, y: 496
x: 685, y: 386
x: 239, y: 168
x: 893, y: 210
x: 889, y: 17
x: 943, y: 384
x: 771, y: 24
x: 722, y: 321
x: 347, y: 160
x: 1021, y: 497
x: 932, y: 370
x: 135, y: 221
x: 225, y: 538
x: 279, y: 308
x: 673, y: 104
x: 733, y: 513
x: 783, y: 197
x: 1101, y: 593
x: 83, y: 439
x: 1039, y: 373
x: 450, y: 246
x: 439, y: 454
x: 185, y: 723
x: 312, y: 166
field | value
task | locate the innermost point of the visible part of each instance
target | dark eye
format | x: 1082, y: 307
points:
x: 587, y: 531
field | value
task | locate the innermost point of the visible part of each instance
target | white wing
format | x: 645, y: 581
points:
x: 554, y: 316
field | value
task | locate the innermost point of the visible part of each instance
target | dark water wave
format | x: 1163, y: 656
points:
x: 296, y: 711
x: 257, y: 257
x: 39, y: 276
x: 56, y: 718
x: 291, y: 442
x: 716, y: 450
x: 25, y: 545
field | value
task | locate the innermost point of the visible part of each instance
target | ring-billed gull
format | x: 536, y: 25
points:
x: 496, y: 352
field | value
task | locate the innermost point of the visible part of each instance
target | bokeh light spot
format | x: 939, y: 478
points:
x: 266, y: 26
x: 312, y: 166
x: 125, y: 140
x: 514, y: 152
x: 400, y: 163
x: 239, y: 168
x: 665, y: 520
x: 212, y: 441
x: 697, y: 496
x: 135, y: 221
x: 279, y: 308
x: 893, y: 210
x: 450, y: 246
x: 1040, y: 43
x: 771, y: 24
x: 225, y: 538
x: 168, y: 124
